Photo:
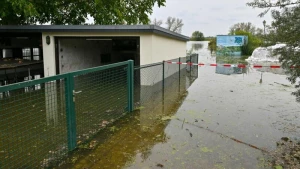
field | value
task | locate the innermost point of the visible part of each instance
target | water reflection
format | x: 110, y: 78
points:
x: 133, y: 135
x: 197, y: 46
x: 230, y: 70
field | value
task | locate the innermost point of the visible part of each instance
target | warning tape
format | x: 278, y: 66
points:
x: 228, y: 65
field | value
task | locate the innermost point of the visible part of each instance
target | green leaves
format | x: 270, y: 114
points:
x: 287, y: 28
x: 253, y: 42
x: 197, y: 36
x: 21, y: 12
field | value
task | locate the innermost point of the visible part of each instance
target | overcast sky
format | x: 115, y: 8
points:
x: 211, y: 17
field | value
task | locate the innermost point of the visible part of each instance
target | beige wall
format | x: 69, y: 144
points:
x: 165, y: 48
x: 153, y: 48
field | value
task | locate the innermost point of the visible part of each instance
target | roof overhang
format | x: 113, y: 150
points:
x: 93, y: 28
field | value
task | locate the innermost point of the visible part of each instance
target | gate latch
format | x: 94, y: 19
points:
x: 74, y: 93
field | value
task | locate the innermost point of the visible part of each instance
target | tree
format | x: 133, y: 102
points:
x: 157, y: 22
x: 287, y: 29
x: 253, y: 42
x: 272, y: 4
x: 23, y: 12
x: 212, y: 45
x: 247, y: 27
x: 197, y: 36
x: 174, y: 24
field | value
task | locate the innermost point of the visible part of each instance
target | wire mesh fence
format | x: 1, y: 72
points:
x: 33, y: 126
x: 42, y: 120
x: 39, y: 126
x: 148, y: 84
x: 102, y: 98
x: 162, y: 82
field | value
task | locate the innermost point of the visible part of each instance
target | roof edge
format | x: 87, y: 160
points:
x: 93, y: 28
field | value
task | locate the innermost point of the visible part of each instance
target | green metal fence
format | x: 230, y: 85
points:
x: 42, y: 120
x: 161, y: 82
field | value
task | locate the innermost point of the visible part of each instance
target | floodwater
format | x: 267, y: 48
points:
x: 222, y: 121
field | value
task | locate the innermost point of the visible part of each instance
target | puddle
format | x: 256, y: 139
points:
x: 223, y: 122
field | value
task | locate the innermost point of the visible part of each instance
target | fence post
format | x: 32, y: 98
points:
x: 163, y: 77
x: 163, y: 87
x: 70, y: 110
x: 130, y: 87
x: 197, y: 66
x: 191, y: 65
x: 179, y: 75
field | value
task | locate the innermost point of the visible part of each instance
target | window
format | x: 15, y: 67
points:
x: 36, y: 53
x: 26, y: 53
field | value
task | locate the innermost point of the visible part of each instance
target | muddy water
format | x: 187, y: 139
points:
x: 224, y: 121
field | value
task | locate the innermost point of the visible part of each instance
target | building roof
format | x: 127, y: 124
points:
x: 93, y: 28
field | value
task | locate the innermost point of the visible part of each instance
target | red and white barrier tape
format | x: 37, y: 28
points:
x: 227, y: 65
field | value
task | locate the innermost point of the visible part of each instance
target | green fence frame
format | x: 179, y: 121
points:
x: 69, y: 93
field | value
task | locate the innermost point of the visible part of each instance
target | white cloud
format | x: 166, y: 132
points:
x: 210, y: 17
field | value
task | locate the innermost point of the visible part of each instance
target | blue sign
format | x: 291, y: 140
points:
x: 234, y: 40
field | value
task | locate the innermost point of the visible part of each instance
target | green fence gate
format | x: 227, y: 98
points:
x: 44, y: 119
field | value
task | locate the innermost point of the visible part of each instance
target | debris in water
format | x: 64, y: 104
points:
x: 206, y: 150
x: 167, y: 118
x: 231, y: 90
x: 278, y: 167
x: 93, y: 144
x: 183, y: 124
x: 285, y: 139
x: 140, y: 108
x: 191, y: 134
x: 104, y: 123
x: 160, y: 165
x: 108, y: 111
x: 283, y: 84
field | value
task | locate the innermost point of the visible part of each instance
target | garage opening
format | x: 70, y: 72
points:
x: 21, y: 57
x: 77, y: 53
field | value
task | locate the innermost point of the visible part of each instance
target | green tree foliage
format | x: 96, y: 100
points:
x: 272, y: 4
x: 212, y: 45
x: 22, y: 12
x: 197, y: 36
x: 253, y: 42
x: 286, y: 29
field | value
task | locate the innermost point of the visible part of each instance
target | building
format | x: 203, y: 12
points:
x: 34, y: 51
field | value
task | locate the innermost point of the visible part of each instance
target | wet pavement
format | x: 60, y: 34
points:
x: 223, y: 121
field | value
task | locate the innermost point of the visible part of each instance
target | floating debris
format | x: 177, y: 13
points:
x: 104, y: 123
x: 160, y: 165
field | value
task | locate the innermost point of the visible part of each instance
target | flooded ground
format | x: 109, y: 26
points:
x: 223, y: 121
